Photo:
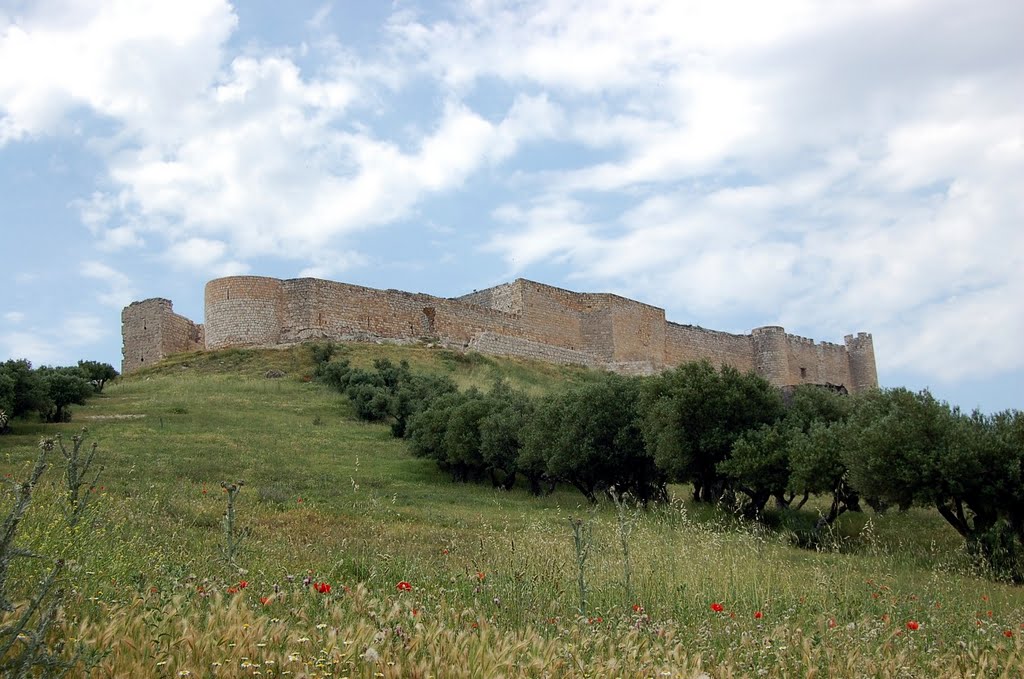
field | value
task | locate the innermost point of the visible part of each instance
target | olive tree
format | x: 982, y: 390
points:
x: 694, y: 414
x: 910, y: 449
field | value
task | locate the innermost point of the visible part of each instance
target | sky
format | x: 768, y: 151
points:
x: 829, y: 166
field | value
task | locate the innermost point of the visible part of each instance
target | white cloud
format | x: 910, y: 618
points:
x: 120, y: 289
x: 316, y: 22
x: 943, y: 333
x: 81, y: 329
x: 580, y: 46
x: 14, y: 316
x: 265, y: 168
x: 56, y: 342
x: 132, y: 61
x: 204, y: 255
x: 552, y: 228
x: 836, y: 166
x: 18, y: 345
x: 98, y: 212
x: 875, y: 185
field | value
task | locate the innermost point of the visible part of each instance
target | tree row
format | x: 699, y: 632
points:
x: 48, y: 391
x: 731, y: 436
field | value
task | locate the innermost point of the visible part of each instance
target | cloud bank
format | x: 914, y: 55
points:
x: 831, y: 167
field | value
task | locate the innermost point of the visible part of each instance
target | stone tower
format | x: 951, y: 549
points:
x: 243, y: 311
x: 152, y: 331
x: 861, y: 350
x: 771, y: 355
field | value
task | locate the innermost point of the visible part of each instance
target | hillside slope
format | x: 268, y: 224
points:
x: 342, y: 502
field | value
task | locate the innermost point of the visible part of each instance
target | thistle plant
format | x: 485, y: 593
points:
x: 76, y: 468
x: 627, y: 519
x: 25, y: 649
x: 22, y: 492
x: 582, y: 538
x: 232, y: 536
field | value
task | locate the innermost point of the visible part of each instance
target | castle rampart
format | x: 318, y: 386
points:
x: 522, y: 318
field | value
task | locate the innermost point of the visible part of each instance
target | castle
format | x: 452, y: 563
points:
x: 521, y: 318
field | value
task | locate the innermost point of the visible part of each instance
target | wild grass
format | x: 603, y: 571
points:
x: 494, y: 574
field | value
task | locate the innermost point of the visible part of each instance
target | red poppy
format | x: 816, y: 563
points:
x: 758, y: 615
x: 480, y: 575
x: 264, y: 600
x: 1008, y: 633
x: 322, y: 587
x: 445, y: 551
x: 831, y: 623
x: 913, y: 625
x: 242, y: 584
x: 300, y: 500
x: 717, y: 607
x: 153, y: 590
x: 637, y: 608
x: 415, y: 612
x: 232, y: 590
x: 403, y: 586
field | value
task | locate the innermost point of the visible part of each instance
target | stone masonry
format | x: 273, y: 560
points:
x: 522, y: 318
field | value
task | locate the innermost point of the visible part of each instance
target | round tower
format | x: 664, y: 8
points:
x: 771, y: 355
x: 860, y: 351
x: 243, y: 311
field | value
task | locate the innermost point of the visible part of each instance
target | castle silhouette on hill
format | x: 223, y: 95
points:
x: 522, y: 318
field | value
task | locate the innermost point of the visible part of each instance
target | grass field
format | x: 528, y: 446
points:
x: 493, y: 575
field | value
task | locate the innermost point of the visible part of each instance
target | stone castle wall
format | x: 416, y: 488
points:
x: 685, y: 343
x: 522, y: 318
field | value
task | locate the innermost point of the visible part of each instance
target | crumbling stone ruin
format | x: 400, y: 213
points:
x: 521, y: 318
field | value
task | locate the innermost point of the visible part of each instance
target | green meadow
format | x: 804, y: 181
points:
x: 493, y: 577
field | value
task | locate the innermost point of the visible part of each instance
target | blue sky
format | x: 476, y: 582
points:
x: 830, y: 167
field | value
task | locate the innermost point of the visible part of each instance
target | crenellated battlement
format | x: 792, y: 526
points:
x: 521, y: 318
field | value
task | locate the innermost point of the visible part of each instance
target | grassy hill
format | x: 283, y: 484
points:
x: 494, y: 575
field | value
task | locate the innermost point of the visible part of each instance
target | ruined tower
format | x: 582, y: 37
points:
x: 150, y: 331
